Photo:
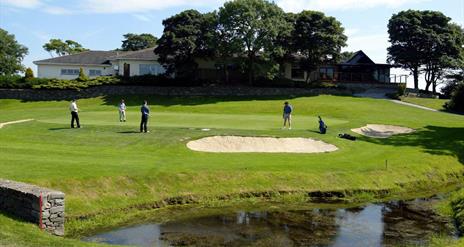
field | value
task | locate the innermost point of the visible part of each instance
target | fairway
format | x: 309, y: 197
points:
x: 108, y: 166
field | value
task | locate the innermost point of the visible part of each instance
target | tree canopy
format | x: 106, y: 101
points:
x: 186, y: 36
x: 318, y: 38
x: 11, y: 54
x: 60, y: 48
x: 424, y: 41
x: 135, y: 42
x: 253, y: 26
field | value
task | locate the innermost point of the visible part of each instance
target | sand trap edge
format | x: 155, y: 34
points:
x: 15, y: 122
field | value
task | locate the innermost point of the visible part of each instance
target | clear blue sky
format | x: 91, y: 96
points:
x: 100, y: 24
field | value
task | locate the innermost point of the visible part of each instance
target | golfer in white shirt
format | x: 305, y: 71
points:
x: 122, y: 111
x: 74, y: 115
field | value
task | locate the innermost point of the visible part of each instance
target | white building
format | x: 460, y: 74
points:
x: 101, y: 63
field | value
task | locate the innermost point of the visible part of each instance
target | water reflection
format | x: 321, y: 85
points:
x: 393, y: 223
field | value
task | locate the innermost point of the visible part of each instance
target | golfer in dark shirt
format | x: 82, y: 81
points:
x: 145, y: 110
x: 288, y: 109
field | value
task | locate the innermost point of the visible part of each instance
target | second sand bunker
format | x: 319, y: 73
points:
x: 239, y: 144
x: 382, y: 131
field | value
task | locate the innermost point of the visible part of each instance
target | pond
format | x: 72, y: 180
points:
x: 385, y: 224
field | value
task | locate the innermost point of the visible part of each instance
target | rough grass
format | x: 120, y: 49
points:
x: 107, y: 166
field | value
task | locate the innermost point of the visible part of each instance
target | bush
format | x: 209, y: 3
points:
x: 457, y: 99
x: 82, y: 76
x: 29, y: 74
x: 401, y: 89
x: 448, y: 89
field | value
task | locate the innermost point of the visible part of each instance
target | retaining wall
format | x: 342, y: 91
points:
x: 121, y: 90
x: 38, y: 205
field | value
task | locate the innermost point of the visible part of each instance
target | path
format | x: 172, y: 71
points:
x: 15, y: 122
x: 413, y: 105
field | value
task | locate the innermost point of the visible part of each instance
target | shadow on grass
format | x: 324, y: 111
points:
x: 129, y: 132
x: 137, y: 100
x: 60, y: 128
x: 434, y: 140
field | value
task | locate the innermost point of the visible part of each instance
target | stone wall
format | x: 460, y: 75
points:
x: 121, y: 90
x: 38, y: 205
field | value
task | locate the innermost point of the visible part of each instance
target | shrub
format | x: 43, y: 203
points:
x: 457, y: 99
x: 82, y: 76
x: 29, y: 74
x: 401, y: 89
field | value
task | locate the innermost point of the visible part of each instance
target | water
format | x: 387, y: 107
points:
x: 386, y: 224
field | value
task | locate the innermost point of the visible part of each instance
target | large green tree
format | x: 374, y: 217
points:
x: 11, y: 54
x: 135, y: 42
x: 62, y: 48
x: 424, y: 41
x: 255, y: 26
x: 444, y: 51
x: 186, y: 36
x: 318, y: 38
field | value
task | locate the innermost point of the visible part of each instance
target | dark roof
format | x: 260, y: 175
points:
x: 360, y: 58
x: 147, y: 54
x: 86, y: 57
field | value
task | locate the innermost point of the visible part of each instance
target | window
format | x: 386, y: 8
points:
x: 95, y: 72
x: 69, y: 72
x: 326, y: 73
x: 150, y: 69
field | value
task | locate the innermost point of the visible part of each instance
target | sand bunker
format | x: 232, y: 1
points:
x: 15, y: 122
x: 237, y: 144
x: 382, y: 131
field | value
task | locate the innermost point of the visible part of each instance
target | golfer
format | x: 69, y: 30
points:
x: 288, y: 109
x: 145, y: 110
x: 322, y: 126
x: 74, y: 115
x: 122, y: 111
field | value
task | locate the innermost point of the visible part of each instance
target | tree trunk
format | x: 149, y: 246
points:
x: 427, y: 86
x: 415, y: 73
x: 250, y: 69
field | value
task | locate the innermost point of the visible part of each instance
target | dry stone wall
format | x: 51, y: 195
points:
x: 38, y: 205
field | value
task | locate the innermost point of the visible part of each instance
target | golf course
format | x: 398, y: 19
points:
x: 112, y: 174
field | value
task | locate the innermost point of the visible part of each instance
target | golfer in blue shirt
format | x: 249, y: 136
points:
x: 145, y: 110
x: 288, y: 109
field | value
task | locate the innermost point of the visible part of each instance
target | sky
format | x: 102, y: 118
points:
x: 100, y: 24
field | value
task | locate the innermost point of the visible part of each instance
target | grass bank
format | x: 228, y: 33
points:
x: 437, y: 104
x: 107, y: 166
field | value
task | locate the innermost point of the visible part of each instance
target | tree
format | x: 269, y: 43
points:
x: 82, y: 76
x: 423, y: 41
x: 186, y: 36
x: 318, y: 38
x: 457, y: 99
x: 135, y: 42
x: 11, y: 54
x: 445, y: 51
x: 345, y: 56
x: 407, y: 46
x: 61, y: 48
x: 255, y: 26
x: 29, y: 74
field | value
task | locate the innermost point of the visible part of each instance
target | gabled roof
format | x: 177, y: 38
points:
x: 83, y: 58
x: 147, y: 54
x: 359, y: 57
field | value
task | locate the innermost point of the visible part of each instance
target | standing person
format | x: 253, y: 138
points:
x: 74, y: 115
x: 322, y: 126
x: 288, y: 109
x: 122, y: 111
x: 145, y: 110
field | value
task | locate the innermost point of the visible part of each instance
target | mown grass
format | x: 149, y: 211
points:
x: 107, y: 166
x: 437, y: 104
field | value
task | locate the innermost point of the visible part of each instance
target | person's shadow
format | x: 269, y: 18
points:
x: 128, y: 132
x: 62, y: 128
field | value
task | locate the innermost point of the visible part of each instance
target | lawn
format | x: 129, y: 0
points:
x: 437, y: 104
x: 107, y: 166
